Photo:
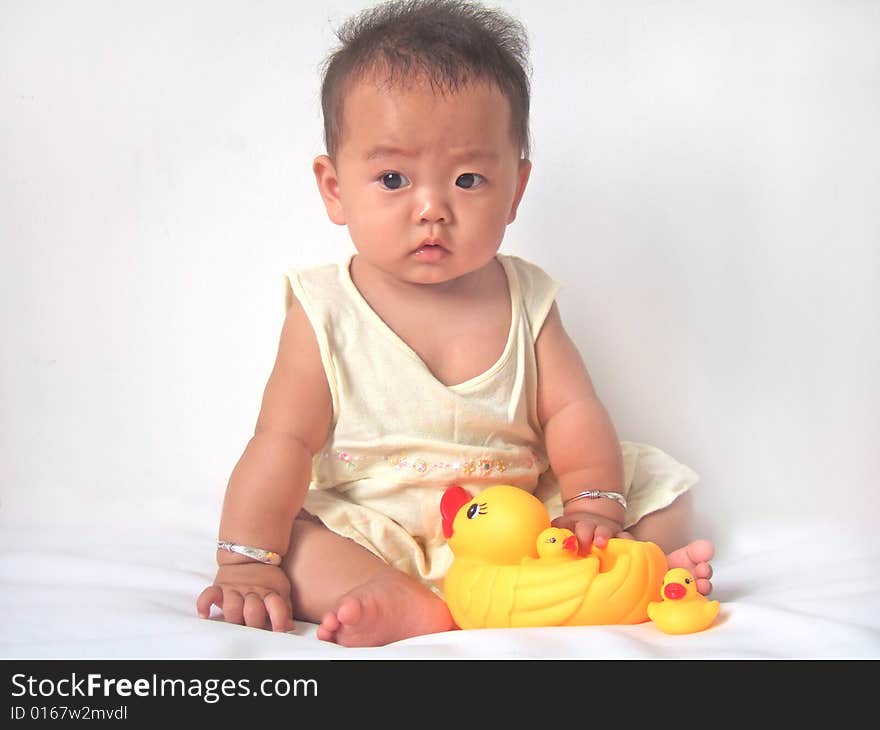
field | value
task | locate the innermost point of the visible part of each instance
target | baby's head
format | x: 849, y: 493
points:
x: 426, y: 123
x: 447, y: 44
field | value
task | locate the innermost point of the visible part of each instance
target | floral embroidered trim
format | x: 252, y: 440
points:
x: 485, y: 466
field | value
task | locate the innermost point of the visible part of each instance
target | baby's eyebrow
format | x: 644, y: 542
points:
x: 464, y: 154
x: 386, y: 151
x: 476, y: 154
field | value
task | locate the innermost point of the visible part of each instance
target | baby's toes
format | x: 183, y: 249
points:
x: 703, y: 570
x: 350, y: 611
x: 328, y: 627
x: 700, y: 551
x: 704, y: 586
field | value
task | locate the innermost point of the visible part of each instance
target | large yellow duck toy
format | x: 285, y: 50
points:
x: 510, y: 568
x: 683, y: 610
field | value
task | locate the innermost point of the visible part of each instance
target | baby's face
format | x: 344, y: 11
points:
x: 426, y: 183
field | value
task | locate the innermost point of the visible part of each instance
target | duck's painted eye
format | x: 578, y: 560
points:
x: 687, y: 580
x: 551, y: 539
x: 473, y: 511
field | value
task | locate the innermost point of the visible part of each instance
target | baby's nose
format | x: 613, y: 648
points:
x: 433, y: 208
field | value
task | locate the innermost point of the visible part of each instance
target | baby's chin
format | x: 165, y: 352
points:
x: 428, y: 265
x: 452, y: 277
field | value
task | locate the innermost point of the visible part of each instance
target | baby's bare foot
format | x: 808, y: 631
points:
x: 387, y: 608
x: 695, y: 557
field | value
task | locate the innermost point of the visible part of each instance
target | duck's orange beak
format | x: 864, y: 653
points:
x: 674, y: 591
x: 453, y: 500
x: 570, y: 543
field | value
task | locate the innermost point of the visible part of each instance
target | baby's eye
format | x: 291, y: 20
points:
x: 393, y: 180
x: 470, y: 180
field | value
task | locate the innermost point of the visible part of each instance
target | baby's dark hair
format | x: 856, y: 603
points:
x: 448, y: 43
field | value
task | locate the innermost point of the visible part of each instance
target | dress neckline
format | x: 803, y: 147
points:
x: 470, y: 383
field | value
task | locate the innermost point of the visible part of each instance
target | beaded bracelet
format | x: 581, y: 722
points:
x: 596, y: 494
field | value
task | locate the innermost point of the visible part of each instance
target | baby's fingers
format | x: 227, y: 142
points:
x: 230, y: 602
x: 211, y: 596
x: 585, y: 532
x: 254, y: 611
x: 602, y: 535
x: 270, y: 605
x: 279, y: 612
x: 233, y: 605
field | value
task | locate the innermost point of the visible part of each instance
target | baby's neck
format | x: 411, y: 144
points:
x: 459, y: 329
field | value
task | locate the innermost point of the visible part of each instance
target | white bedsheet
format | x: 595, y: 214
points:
x: 130, y: 593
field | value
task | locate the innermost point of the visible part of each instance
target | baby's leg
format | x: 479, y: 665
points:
x: 670, y: 528
x: 355, y: 598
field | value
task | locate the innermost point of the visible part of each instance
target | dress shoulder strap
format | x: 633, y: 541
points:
x: 537, y: 289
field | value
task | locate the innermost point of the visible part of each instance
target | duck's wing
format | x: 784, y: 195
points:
x: 480, y: 595
x: 711, y: 610
x: 547, y: 594
x: 630, y: 578
x: 531, y: 594
x: 683, y: 617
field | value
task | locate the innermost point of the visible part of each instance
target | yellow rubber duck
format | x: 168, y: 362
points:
x: 499, y: 578
x: 682, y: 610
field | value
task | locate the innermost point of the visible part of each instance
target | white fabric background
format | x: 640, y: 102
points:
x: 705, y: 185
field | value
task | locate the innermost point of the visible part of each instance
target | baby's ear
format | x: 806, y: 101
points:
x: 525, y: 169
x: 328, y: 186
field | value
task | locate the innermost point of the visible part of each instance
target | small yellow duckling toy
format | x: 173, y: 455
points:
x: 682, y: 610
x: 510, y: 568
x: 557, y: 543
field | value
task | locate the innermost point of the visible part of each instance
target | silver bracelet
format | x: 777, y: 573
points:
x: 254, y: 553
x: 596, y: 494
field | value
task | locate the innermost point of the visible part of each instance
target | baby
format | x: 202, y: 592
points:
x: 426, y: 359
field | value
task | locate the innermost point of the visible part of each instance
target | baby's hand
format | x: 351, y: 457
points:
x: 252, y: 594
x: 590, y: 529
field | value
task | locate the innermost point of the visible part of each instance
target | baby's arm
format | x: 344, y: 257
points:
x: 269, y: 483
x: 581, y: 441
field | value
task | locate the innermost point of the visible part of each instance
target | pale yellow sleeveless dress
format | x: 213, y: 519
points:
x: 400, y: 437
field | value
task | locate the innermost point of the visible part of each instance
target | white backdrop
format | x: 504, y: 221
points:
x: 706, y: 185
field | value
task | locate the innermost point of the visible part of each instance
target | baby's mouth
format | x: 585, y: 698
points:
x: 431, y: 250
x: 432, y: 241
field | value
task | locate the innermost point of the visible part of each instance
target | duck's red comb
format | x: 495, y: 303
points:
x: 453, y: 499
